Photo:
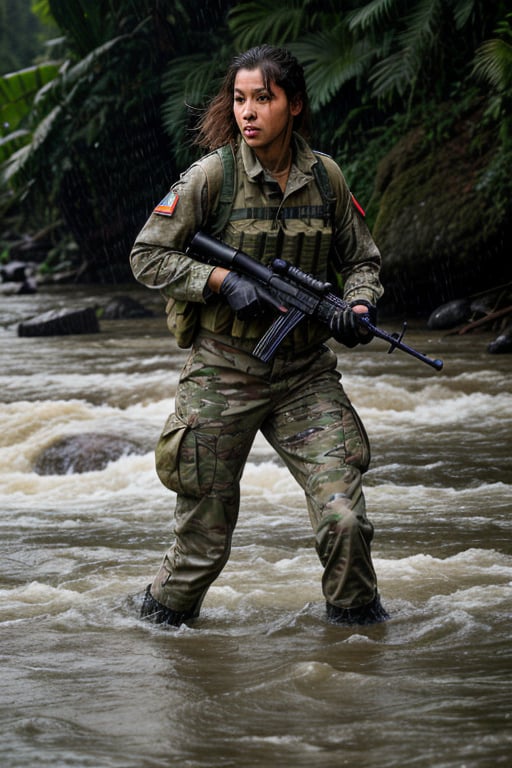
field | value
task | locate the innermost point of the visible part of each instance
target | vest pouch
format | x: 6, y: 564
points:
x: 182, y: 321
x: 167, y: 452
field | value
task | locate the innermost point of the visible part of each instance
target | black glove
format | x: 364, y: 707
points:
x: 247, y: 299
x: 346, y: 328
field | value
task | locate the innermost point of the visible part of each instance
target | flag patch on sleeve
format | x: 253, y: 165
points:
x: 167, y: 206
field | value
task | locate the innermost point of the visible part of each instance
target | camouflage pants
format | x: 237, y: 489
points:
x: 225, y: 396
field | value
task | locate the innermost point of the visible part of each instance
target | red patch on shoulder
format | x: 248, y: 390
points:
x: 359, y: 207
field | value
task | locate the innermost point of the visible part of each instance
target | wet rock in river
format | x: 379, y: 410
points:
x: 125, y: 307
x: 502, y: 343
x: 61, y: 322
x: 88, y: 452
x: 18, y: 289
x: 16, y: 278
x: 16, y: 271
x: 450, y: 314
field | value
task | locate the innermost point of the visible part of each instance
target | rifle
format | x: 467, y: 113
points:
x: 300, y: 293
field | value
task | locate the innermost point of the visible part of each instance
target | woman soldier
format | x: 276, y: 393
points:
x: 262, y: 189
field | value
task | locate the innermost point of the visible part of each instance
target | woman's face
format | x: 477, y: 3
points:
x: 264, y: 116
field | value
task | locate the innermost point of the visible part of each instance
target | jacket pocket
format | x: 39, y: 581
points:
x: 183, y: 321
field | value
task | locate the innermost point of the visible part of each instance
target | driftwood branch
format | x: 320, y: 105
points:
x: 489, y: 318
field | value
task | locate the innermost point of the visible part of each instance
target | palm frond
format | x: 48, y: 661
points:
x: 87, y: 23
x: 267, y: 21
x: 89, y: 64
x: 422, y: 26
x: 187, y: 84
x: 330, y: 60
x: 18, y: 90
x: 373, y: 14
x: 462, y: 10
x: 493, y: 63
x: 14, y: 164
x: 12, y: 142
x: 396, y: 73
x: 75, y: 78
x: 45, y: 127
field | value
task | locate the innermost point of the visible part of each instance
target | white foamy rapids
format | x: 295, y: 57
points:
x: 30, y: 427
x: 273, y: 566
x: 388, y: 403
x: 78, y: 544
x: 87, y: 585
x: 117, y: 388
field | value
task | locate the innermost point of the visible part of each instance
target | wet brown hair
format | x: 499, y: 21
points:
x: 217, y: 126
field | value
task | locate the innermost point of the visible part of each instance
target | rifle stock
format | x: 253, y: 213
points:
x: 301, y: 293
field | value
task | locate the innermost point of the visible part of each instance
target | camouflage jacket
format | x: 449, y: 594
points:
x: 266, y: 224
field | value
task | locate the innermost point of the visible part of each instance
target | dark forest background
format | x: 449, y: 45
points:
x: 99, y: 99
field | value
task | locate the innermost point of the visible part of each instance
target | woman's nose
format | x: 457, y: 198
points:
x: 248, y: 111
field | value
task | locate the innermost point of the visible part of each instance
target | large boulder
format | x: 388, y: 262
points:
x: 451, y: 314
x: 88, y: 452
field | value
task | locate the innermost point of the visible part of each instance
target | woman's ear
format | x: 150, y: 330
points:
x: 296, y: 106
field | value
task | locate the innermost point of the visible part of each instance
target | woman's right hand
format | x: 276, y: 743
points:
x: 246, y: 298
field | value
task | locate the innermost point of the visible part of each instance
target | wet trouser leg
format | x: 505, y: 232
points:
x: 224, y: 397
x: 201, y: 456
x: 321, y: 439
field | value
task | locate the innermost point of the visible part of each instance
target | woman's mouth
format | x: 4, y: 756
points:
x: 250, y: 131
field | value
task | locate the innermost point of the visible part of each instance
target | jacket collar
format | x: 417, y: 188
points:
x: 303, y: 157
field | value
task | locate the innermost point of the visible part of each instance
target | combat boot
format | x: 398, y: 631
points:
x: 371, y: 613
x: 154, y: 611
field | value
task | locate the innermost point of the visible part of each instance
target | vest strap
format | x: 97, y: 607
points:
x: 224, y: 212
x: 267, y: 213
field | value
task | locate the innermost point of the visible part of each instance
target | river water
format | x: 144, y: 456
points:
x: 260, y: 679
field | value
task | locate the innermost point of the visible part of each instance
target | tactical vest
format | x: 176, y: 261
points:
x: 301, y: 234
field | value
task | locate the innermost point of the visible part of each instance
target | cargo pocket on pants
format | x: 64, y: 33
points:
x: 167, y: 453
x: 357, y: 445
x: 186, y: 460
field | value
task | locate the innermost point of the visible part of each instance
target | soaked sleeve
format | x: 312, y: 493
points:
x: 157, y: 258
x: 357, y: 258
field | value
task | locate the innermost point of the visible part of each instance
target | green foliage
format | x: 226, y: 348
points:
x: 267, y: 21
x: 22, y: 35
x: 331, y: 60
x: 83, y: 118
x: 185, y: 83
x: 58, y: 115
x: 193, y: 74
x: 373, y: 15
x: 120, y: 102
x: 411, y: 53
x: 18, y: 91
x: 493, y: 65
x: 493, y: 59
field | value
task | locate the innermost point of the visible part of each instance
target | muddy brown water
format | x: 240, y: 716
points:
x: 260, y: 679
